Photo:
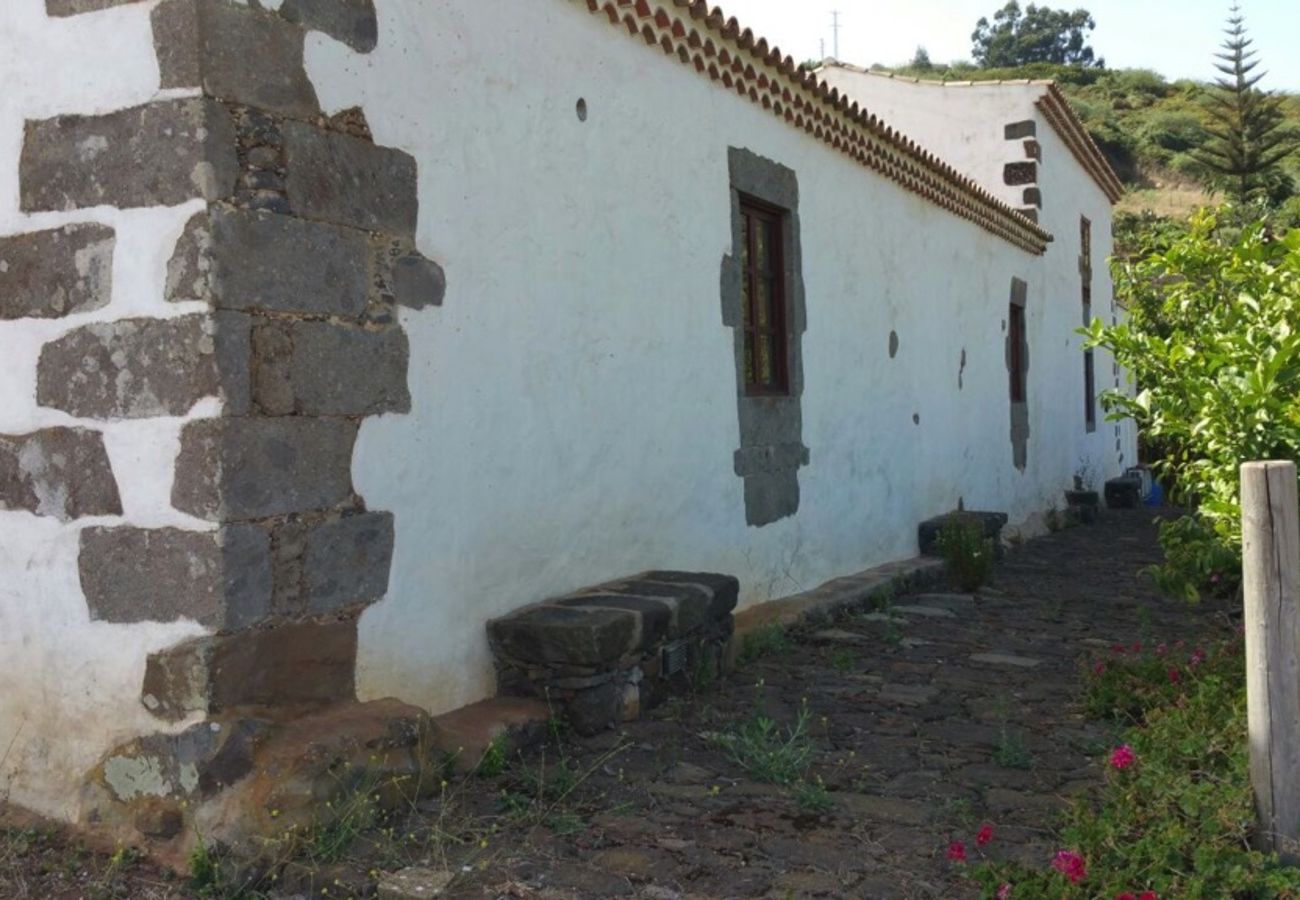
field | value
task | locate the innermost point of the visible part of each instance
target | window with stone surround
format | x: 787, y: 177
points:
x: 767, y: 365
x: 764, y: 306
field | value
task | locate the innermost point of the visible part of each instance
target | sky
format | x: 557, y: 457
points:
x: 1177, y: 38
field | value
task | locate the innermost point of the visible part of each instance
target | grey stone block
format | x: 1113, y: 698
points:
x: 49, y: 274
x: 724, y: 590
x: 233, y: 53
x: 418, y: 282
x: 654, y: 616
x: 321, y: 368
x: 1014, y: 131
x: 76, y: 7
x: 349, y: 21
x: 564, y: 635
x: 235, y: 259
x: 342, y: 179
x: 240, y: 469
x: 161, y: 154
x: 63, y: 473
x: 221, y: 579
x: 347, y: 562
x: 142, y: 368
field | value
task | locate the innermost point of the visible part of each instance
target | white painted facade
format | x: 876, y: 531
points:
x: 574, y: 400
x: 574, y: 414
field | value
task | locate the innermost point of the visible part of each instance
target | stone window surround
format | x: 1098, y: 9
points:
x: 771, y: 448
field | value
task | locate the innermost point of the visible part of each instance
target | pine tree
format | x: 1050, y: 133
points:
x: 1245, y: 142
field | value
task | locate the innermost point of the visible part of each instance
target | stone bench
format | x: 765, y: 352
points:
x: 927, y: 533
x: 601, y: 654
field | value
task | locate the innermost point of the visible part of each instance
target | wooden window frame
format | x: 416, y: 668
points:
x: 1016, y: 337
x: 754, y: 211
x: 1090, y: 389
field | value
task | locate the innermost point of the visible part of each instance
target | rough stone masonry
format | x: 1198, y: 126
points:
x: 302, y: 253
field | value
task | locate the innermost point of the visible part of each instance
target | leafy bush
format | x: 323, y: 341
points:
x: 1213, y: 340
x: 968, y: 554
x: 1176, y: 815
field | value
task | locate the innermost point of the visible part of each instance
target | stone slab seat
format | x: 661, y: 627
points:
x: 599, y: 625
x: 927, y: 533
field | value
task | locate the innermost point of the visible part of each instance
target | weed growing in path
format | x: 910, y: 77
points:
x: 967, y: 553
x: 766, y: 751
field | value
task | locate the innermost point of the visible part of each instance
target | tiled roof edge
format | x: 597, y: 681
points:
x: 719, y: 48
x: 1056, y: 109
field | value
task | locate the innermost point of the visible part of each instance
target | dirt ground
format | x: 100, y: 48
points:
x: 838, y: 762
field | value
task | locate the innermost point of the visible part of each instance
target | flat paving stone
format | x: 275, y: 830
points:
x: 1006, y: 659
x: 929, y: 612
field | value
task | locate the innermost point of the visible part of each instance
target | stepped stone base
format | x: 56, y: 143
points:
x: 602, y: 654
x: 244, y: 784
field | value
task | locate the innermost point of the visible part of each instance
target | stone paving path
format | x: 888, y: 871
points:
x: 930, y: 718
x: 926, y: 720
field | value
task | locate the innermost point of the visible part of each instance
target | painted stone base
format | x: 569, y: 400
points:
x: 599, y: 656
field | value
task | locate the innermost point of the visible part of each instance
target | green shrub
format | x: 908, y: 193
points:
x: 767, y: 752
x: 1213, y: 340
x: 1180, y: 819
x: 968, y: 554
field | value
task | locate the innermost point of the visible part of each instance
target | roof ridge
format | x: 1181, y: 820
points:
x: 720, y: 48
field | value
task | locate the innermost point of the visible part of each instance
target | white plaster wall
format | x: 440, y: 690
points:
x: 963, y: 124
x: 70, y: 688
x: 574, y: 413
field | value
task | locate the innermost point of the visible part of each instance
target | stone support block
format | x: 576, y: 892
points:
x: 142, y: 368
x: 161, y: 154
x: 349, y: 181
x: 62, y: 8
x: 220, y: 579
x: 328, y: 369
x: 235, y: 259
x: 235, y: 53
x: 295, y: 666
x: 55, y: 273
x: 405, y: 276
x: 350, y: 21
x: 59, y: 472
x: 251, y: 468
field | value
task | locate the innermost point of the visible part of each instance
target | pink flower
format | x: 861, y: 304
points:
x: 985, y: 836
x: 1174, y: 676
x: 1004, y: 892
x: 1178, y: 645
x: 1196, y: 658
x: 1127, y: 895
x: 956, y: 852
x: 1122, y: 757
x: 1215, y: 578
x: 1137, y: 647
x: 1148, y: 895
x: 1071, y: 865
x: 1117, y: 649
x: 1162, y: 649
x: 1099, y: 669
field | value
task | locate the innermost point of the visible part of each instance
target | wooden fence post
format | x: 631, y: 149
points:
x: 1270, y: 529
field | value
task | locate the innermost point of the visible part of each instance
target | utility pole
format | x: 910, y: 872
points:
x: 835, y: 30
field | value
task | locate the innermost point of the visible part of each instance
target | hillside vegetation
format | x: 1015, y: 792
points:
x: 1143, y: 123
